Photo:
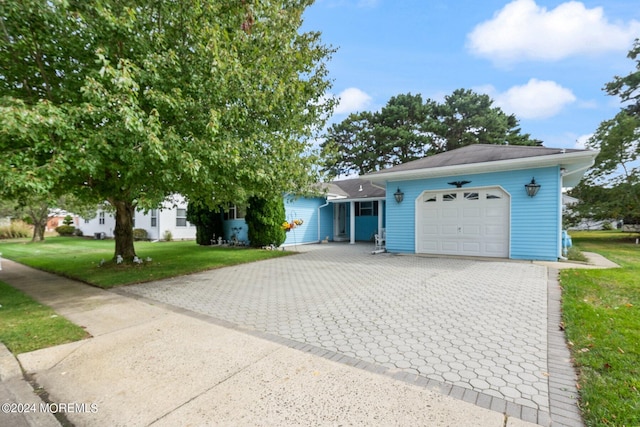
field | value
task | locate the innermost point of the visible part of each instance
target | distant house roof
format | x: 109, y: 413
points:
x: 481, y: 158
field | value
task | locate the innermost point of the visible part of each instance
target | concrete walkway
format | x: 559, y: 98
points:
x: 150, y: 363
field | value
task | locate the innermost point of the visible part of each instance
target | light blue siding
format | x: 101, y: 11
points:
x: 535, y: 222
x: 305, y: 209
x: 326, y: 220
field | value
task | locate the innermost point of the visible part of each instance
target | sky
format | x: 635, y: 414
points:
x: 544, y: 61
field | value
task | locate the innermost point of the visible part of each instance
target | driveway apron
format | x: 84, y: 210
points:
x: 480, y: 325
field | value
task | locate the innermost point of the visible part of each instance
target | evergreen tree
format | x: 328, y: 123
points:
x: 264, y: 218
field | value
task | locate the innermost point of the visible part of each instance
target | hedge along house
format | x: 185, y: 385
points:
x: 481, y: 200
x: 349, y: 210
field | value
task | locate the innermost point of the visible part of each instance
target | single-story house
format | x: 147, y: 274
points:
x: 481, y: 200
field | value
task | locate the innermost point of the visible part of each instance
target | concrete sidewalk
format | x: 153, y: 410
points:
x: 148, y: 365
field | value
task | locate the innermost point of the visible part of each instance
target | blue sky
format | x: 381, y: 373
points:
x: 544, y: 61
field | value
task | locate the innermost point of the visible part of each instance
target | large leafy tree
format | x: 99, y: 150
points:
x: 131, y: 100
x: 617, y: 166
x: 408, y: 128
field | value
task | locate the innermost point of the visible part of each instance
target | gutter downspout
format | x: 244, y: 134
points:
x: 320, y: 207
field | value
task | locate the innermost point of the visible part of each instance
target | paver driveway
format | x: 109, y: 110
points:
x: 480, y: 325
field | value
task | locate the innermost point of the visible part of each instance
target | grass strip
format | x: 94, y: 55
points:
x: 91, y: 260
x: 26, y: 325
x: 601, y: 310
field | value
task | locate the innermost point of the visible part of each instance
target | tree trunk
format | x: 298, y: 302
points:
x: 123, y: 231
x: 39, y: 215
x: 38, y: 231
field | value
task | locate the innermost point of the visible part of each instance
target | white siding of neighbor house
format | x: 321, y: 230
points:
x: 166, y: 220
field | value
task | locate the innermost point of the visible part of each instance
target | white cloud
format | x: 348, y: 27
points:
x: 352, y: 100
x: 538, y: 99
x: 582, y: 140
x: 523, y: 31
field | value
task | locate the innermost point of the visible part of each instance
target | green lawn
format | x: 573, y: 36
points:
x: 601, y: 310
x: 80, y: 259
x: 26, y: 325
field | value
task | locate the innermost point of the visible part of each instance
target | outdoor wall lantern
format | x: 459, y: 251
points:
x: 399, y: 195
x: 532, y: 188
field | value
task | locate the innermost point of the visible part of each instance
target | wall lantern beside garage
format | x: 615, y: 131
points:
x: 532, y: 188
x: 399, y: 195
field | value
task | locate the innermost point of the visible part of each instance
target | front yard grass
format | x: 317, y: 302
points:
x: 601, y: 310
x: 81, y: 259
x: 26, y: 325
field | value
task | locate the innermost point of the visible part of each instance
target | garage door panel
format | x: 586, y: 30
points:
x: 494, y: 230
x: 430, y: 214
x: 449, y: 230
x: 495, y: 211
x: 471, y: 248
x: 495, y: 248
x: 449, y: 246
x: 450, y: 212
x: 429, y: 230
x: 429, y: 246
x: 465, y: 222
x: 472, y: 230
x: 471, y: 213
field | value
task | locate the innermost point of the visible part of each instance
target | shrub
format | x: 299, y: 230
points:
x: 68, y: 220
x: 208, y: 222
x: 167, y: 236
x: 140, y: 234
x: 78, y: 233
x: 65, y: 230
x: 15, y: 230
x: 607, y: 225
x: 264, y: 219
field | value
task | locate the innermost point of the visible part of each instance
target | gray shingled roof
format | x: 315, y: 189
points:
x: 359, y: 188
x: 476, y: 153
x: 354, y: 188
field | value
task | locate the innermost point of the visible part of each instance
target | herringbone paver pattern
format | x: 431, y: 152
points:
x: 479, y: 325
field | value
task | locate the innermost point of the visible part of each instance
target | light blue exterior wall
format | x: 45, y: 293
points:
x: 305, y: 209
x: 316, y: 215
x: 535, y: 231
x: 326, y: 220
x: 237, y: 227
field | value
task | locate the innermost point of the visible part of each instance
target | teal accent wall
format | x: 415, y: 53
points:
x: 535, y: 231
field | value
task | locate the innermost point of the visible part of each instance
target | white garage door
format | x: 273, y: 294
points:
x: 471, y: 222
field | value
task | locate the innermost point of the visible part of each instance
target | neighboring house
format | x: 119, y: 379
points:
x: 56, y: 218
x: 171, y: 217
x: 473, y: 201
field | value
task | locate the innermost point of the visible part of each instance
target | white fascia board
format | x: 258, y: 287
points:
x: 361, y: 199
x: 581, y: 160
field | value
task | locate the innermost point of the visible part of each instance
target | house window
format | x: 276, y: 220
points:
x: 101, y: 218
x: 471, y: 196
x: 181, y: 217
x: 235, y: 212
x: 366, y: 208
x: 154, y: 217
x: 449, y: 197
x: 86, y: 221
